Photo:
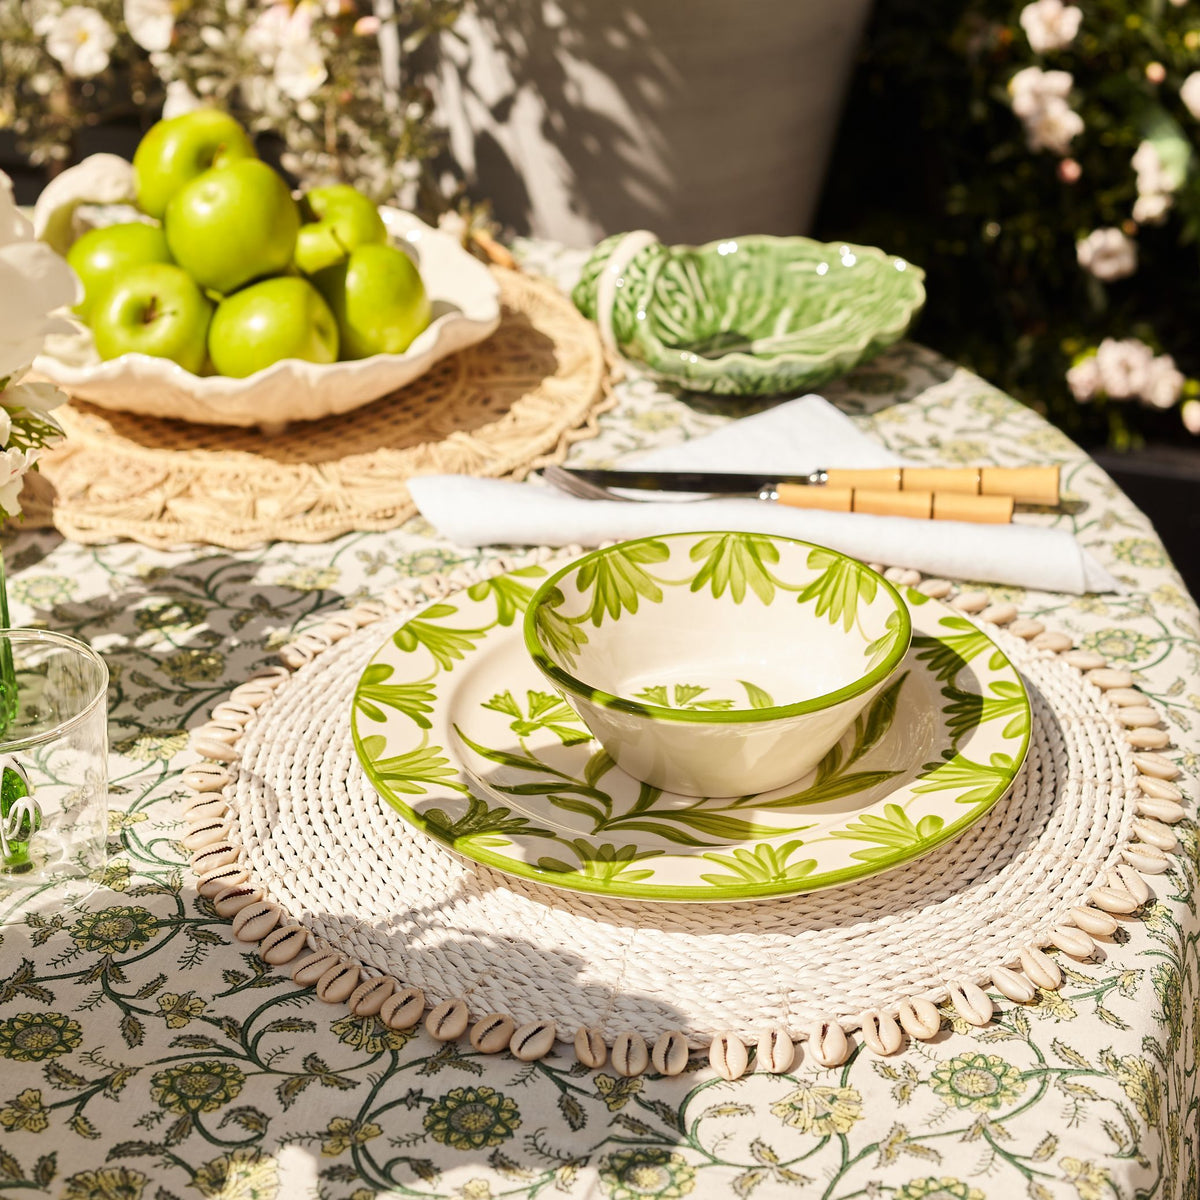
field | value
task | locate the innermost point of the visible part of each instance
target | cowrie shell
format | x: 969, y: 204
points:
x: 255, y: 921
x: 970, y: 602
x: 338, y: 983
x: 368, y: 612
x: 1113, y: 900
x: 448, y: 1021
x: 1093, y: 922
x: 1155, y: 833
x: 232, y: 713
x: 1150, y: 860
x: 231, y: 900
x: 205, y: 833
x: 212, y: 748
x: 1138, y: 716
x: 1052, y: 640
x: 670, y: 1053
x: 206, y: 806
x: 1159, y: 789
x: 1110, y: 677
x: 590, y: 1047
x: 219, y: 855
x: 919, y: 1017
x: 491, y: 1034
x: 1160, y: 810
x: 1124, y: 697
x: 728, y: 1056
x: 881, y: 1033
x: 227, y: 875
x: 1000, y: 614
x: 1041, y: 969
x: 269, y: 677
x: 282, y: 945
x: 1156, y: 765
x: 1126, y: 877
x: 403, y: 1009
x: 1072, y: 941
x: 252, y: 695
x: 629, y: 1054
x: 205, y: 777
x: 827, y: 1044
x: 533, y: 1041
x: 1027, y: 627
x: 775, y: 1052
x: 1016, y: 987
x: 1146, y: 738
x: 309, y: 970
x: 971, y: 1002
x: 904, y: 576
x: 1085, y: 660
x: 937, y: 589
x: 224, y: 731
x: 367, y: 999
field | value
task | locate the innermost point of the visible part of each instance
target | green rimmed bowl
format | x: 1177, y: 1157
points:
x: 717, y: 664
x: 747, y: 316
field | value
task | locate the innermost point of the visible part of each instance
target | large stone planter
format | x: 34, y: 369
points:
x: 697, y: 119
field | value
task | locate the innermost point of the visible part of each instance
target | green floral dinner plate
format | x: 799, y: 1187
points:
x: 456, y: 729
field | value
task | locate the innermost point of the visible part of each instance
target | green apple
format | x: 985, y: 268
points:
x: 101, y: 256
x: 156, y: 309
x: 268, y: 321
x: 175, y: 151
x: 233, y: 224
x: 378, y: 299
x: 345, y: 219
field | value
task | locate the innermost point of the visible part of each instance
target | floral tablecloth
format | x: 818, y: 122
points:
x: 146, y: 1055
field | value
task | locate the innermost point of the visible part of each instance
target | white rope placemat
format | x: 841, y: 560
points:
x: 291, y: 842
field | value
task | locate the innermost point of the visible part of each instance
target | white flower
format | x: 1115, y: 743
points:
x: 1163, y: 383
x: 1123, y: 367
x: 1053, y: 128
x: 1033, y: 87
x: 33, y: 281
x: 150, y: 22
x: 1039, y: 98
x: 1190, y: 414
x: 1152, y: 208
x: 180, y: 99
x: 1189, y: 93
x: 80, y: 38
x: 300, y: 69
x: 14, y: 225
x: 1050, y: 25
x: 268, y: 32
x: 38, y: 398
x: 13, y: 465
x: 1108, y: 254
x: 1084, y: 380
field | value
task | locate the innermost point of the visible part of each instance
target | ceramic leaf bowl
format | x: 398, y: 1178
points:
x: 717, y: 664
x: 747, y: 316
x: 466, y: 309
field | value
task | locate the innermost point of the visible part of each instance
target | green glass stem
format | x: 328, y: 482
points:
x: 14, y: 860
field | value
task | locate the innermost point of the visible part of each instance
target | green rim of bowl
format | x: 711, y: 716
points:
x: 737, y: 716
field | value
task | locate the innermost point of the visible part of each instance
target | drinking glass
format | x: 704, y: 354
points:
x: 53, y: 758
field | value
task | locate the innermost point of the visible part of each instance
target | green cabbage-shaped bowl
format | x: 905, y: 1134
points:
x: 747, y: 316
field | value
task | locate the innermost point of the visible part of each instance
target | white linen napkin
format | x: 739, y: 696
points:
x: 793, y: 438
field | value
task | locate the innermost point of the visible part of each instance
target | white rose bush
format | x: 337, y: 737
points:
x: 337, y: 85
x: 1041, y: 160
x: 34, y: 282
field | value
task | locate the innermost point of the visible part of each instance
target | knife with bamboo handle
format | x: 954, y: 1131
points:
x: 819, y: 491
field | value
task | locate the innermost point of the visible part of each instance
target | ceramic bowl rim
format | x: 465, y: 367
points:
x: 738, y: 716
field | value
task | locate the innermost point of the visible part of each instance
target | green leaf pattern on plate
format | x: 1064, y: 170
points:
x: 514, y: 781
x: 735, y: 561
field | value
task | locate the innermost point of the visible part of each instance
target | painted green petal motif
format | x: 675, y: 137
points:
x: 756, y: 315
x: 473, y: 750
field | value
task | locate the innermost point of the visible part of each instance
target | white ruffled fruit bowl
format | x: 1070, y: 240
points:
x: 463, y: 293
x: 717, y: 664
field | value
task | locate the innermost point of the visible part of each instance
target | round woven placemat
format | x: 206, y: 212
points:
x: 298, y: 827
x: 503, y: 407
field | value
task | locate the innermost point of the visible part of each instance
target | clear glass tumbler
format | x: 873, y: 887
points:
x: 53, y: 758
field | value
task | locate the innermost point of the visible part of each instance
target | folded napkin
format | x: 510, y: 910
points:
x: 793, y: 438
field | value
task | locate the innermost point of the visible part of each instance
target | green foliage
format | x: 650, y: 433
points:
x: 933, y: 164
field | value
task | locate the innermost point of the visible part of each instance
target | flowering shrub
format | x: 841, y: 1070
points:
x: 331, y: 79
x: 33, y: 282
x: 1039, y: 159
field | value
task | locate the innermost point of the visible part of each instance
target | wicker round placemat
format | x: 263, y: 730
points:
x: 285, y: 828
x: 503, y: 407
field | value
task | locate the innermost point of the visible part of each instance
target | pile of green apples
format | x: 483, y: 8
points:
x: 232, y: 274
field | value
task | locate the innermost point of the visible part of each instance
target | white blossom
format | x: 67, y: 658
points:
x: 1050, y: 25
x: 1189, y: 93
x: 1151, y: 208
x: 1084, y: 379
x: 268, y: 32
x: 1039, y: 98
x: 1190, y: 414
x: 180, y: 99
x: 1163, y: 383
x: 13, y: 465
x: 80, y: 38
x: 150, y: 22
x: 300, y: 70
x: 1123, y: 367
x: 33, y: 281
x: 1108, y: 254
